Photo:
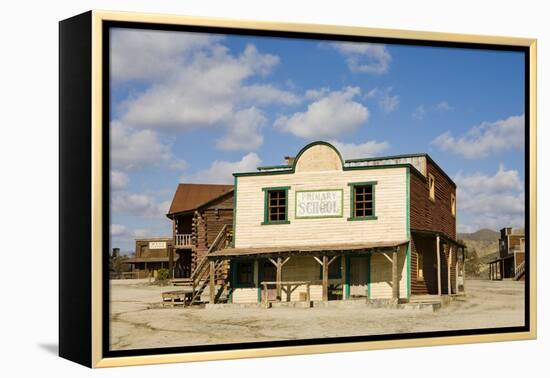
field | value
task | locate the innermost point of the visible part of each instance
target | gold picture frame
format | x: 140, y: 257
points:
x: 91, y: 24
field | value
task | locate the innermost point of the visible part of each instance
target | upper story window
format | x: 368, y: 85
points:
x: 431, y: 185
x: 453, y: 204
x: 362, y: 200
x: 276, y: 205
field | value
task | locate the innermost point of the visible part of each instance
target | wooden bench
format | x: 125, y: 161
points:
x: 177, y: 297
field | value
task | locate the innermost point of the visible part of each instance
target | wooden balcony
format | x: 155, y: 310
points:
x: 184, y: 241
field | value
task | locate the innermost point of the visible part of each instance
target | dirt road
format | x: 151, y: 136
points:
x: 134, y: 324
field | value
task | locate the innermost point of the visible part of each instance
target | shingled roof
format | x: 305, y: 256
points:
x: 189, y: 197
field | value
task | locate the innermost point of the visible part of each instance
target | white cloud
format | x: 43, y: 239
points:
x: 386, y: 101
x: 119, y: 180
x: 134, y: 149
x: 208, y: 89
x: 419, y: 113
x: 150, y: 55
x: 365, y: 57
x: 138, y: 204
x: 265, y: 94
x: 486, y: 139
x: 330, y: 115
x: 244, y: 131
x: 118, y: 229
x: 443, y: 106
x: 486, y: 201
x: 221, y: 172
x: 360, y: 150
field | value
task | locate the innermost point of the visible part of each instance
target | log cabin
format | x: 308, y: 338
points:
x: 198, y: 213
x: 510, y: 262
x: 322, y: 228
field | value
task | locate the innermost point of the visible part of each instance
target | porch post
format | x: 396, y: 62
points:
x: 449, y: 265
x: 463, y: 271
x: 212, y: 287
x: 171, y: 262
x: 456, y: 271
x: 325, y: 278
x: 394, y: 276
x: 279, y: 267
x: 438, y: 265
x: 343, y: 261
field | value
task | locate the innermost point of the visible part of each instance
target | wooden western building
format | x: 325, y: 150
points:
x: 511, y: 256
x: 199, y: 213
x: 321, y: 228
x: 151, y: 255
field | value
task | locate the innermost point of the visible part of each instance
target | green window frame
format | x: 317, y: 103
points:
x: 276, y: 205
x: 244, y: 274
x: 362, y: 194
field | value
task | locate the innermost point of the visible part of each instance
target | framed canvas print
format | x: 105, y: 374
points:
x: 235, y: 189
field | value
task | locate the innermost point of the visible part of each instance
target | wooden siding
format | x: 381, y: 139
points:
x: 390, y: 208
x: 303, y: 268
x: 381, y: 275
x: 427, y: 249
x: 208, y: 222
x: 143, y: 250
x: 245, y: 295
x: 432, y: 215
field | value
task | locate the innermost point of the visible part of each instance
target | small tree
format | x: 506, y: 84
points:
x: 162, y: 275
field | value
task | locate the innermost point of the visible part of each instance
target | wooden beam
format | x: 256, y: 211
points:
x: 279, y: 278
x: 438, y: 255
x: 394, y: 276
x: 463, y: 271
x: 449, y: 261
x: 456, y: 271
x: 325, y: 278
x: 212, y: 288
x: 387, y: 257
x: 318, y: 260
x: 273, y: 261
x: 344, y: 274
x: 285, y: 261
x: 332, y: 260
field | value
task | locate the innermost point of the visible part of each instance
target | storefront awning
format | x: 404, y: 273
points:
x: 308, y: 249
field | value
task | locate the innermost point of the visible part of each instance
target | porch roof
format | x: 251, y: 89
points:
x: 308, y: 249
x: 132, y: 260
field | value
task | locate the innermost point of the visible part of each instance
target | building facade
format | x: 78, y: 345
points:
x: 324, y: 228
x: 511, y: 256
x: 151, y: 255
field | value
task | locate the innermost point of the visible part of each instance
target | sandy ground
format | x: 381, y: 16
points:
x: 134, y: 324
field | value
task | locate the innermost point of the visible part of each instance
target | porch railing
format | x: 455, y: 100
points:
x: 184, y: 240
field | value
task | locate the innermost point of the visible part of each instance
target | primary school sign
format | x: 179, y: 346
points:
x: 319, y: 203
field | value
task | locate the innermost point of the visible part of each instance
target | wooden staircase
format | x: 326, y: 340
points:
x: 520, y: 271
x: 200, y: 278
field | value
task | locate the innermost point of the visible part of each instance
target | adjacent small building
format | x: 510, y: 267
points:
x: 198, y: 213
x: 151, y: 255
x: 511, y: 256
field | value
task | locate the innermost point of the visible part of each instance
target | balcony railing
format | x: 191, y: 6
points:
x: 184, y: 240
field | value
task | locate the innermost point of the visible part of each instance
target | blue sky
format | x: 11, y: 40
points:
x: 190, y: 107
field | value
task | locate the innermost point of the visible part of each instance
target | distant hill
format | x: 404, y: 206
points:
x: 485, y: 243
x: 481, y: 235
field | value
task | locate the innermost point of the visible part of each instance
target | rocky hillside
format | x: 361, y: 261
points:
x: 482, y: 248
